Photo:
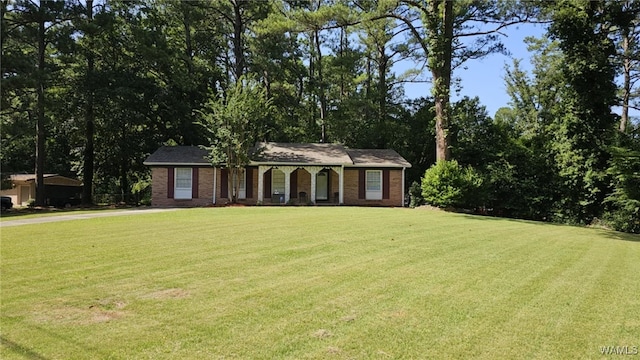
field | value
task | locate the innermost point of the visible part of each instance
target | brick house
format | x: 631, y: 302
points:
x: 282, y: 173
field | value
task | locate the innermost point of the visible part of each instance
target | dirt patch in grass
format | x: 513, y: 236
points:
x: 174, y: 293
x: 322, y: 334
x: 429, y: 207
x: 99, y: 312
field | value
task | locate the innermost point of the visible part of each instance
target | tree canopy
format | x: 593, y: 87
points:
x: 89, y: 88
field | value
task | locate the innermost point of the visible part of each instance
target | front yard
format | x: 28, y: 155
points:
x: 315, y: 283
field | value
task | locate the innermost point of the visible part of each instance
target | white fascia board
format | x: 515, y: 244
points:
x: 175, y: 164
x: 275, y: 163
x: 378, y: 166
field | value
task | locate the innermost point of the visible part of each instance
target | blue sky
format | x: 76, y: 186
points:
x: 484, y: 78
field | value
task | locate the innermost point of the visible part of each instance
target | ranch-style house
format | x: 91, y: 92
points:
x: 280, y: 173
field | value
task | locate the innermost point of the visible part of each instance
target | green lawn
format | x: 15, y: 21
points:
x: 316, y: 283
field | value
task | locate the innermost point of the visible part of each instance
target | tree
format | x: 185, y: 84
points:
x: 37, y: 23
x: 626, y: 19
x: 233, y: 127
x: 444, y: 26
x: 585, y: 131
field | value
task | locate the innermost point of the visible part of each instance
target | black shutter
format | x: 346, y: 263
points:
x: 293, y: 185
x: 224, y: 183
x: 267, y: 184
x: 385, y: 183
x: 249, y: 182
x: 194, y: 183
x: 362, y: 183
x: 170, y: 178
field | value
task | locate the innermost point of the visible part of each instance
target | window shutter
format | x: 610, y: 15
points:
x: 293, y: 184
x: 362, y: 184
x: 385, y: 183
x: 170, y: 179
x: 249, y: 182
x: 267, y: 184
x: 224, y: 183
x: 194, y: 183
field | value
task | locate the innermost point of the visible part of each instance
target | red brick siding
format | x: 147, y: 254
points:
x: 351, y: 188
x: 159, y: 186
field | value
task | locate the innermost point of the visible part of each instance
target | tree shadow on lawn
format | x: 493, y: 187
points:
x: 20, y: 349
x: 17, y: 213
x: 29, y: 353
x: 610, y: 234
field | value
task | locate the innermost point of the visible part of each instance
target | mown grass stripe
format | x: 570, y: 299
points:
x: 308, y: 283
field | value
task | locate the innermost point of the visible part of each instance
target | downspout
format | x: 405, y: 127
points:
x: 403, y: 169
x: 215, y: 181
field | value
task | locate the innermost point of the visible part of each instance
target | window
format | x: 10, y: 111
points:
x: 374, y: 185
x: 242, y: 186
x: 183, y: 183
x: 277, y: 181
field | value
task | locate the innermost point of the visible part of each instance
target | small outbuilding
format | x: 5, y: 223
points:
x: 59, y: 190
x: 280, y: 173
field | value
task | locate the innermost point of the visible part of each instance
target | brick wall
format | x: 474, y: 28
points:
x: 159, y: 189
x: 351, y: 189
x: 205, y: 189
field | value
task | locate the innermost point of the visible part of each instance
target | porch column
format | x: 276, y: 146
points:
x: 287, y: 170
x: 341, y: 185
x: 313, y: 170
x: 215, y: 183
x: 261, y: 170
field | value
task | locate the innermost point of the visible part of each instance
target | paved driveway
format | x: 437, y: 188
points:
x: 90, y: 215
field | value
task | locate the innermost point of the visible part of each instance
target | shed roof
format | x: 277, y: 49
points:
x: 178, y: 155
x: 49, y: 179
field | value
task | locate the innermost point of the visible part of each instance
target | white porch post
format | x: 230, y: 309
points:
x: 287, y: 170
x: 261, y: 171
x: 313, y: 170
x: 341, y: 185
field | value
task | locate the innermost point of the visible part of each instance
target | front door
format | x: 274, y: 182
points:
x: 322, y: 186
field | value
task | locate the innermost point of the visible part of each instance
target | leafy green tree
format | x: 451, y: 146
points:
x: 584, y: 132
x: 626, y: 23
x: 624, y: 201
x: 443, y: 26
x: 233, y: 125
x: 40, y: 25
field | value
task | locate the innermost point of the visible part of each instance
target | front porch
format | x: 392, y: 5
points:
x: 301, y: 184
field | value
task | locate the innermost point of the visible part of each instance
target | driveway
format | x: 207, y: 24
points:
x: 90, y: 215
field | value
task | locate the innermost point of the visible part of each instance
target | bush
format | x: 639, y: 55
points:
x: 415, y: 194
x: 625, y: 218
x: 448, y: 184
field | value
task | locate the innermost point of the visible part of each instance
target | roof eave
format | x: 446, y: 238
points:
x: 284, y: 163
x: 158, y: 163
x: 394, y: 166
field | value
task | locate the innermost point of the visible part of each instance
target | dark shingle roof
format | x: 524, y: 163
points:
x: 178, y: 155
x: 377, y: 158
x: 301, y: 154
x: 286, y: 154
